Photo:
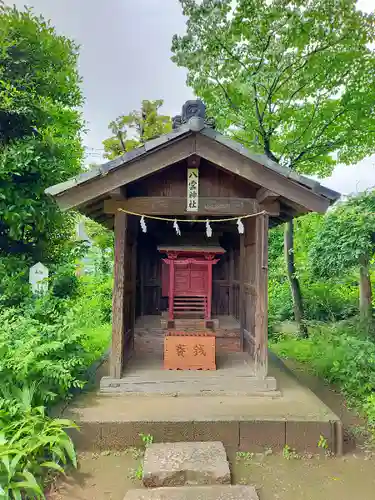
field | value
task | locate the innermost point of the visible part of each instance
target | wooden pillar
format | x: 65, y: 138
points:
x: 134, y: 287
x: 171, y: 288
x: 261, y: 284
x: 118, y: 319
x: 231, y: 279
x: 242, y: 290
x: 142, y: 283
x: 209, y: 290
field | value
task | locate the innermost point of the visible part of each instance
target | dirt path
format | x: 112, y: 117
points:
x: 275, y: 477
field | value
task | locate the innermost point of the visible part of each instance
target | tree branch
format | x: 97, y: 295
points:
x: 227, y: 96
x: 294, y: 161
x: 119, y: 135
x: 236, y: 58
x: 303, y: 133
x: 323, y: 149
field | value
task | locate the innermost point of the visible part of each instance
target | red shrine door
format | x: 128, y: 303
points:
x: 187, y: 281
x: 191, y: 279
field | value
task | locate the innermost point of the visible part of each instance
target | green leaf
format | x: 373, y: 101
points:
x: 67, y: 444
x: 53, y: 465
x: 5, y: 461
x: 15, y: 461
x: 65, y: 423
x: 30, y: 483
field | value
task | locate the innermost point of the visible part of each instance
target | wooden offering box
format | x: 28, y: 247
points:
x: 188, y: 351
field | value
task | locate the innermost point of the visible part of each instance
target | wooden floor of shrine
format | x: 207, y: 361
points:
x: 234, y: 376
x: 145, y: 374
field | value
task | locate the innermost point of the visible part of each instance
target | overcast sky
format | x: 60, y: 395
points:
x: 125, y: 57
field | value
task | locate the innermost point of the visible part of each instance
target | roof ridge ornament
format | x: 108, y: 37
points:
x: 193, y: 113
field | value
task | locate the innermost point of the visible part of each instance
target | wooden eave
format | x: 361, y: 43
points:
x: 89, y: 191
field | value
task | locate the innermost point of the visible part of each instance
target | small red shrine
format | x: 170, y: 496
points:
x: 187, y: 280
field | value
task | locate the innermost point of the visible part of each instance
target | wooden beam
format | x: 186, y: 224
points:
x: 295, y: 206
x: 261, y: 308
x: 193, y: 161
x: 264, y: 194
x: 133, y: 170
x: 271, y: 207
x: 163, y: 205
x: 118, y: 319
x: 118, y: 193
x: 248, y: 169
x: 242, y: 290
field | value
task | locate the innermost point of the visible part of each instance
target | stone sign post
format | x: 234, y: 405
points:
x: 38, y: 279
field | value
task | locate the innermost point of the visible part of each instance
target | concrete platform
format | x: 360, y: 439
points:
x: 297, y: 418
x: 195, y: 493
x: 234, y: 376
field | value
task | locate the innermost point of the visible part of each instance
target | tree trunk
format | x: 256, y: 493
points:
x: 365, y: 292
x: 293, y: 280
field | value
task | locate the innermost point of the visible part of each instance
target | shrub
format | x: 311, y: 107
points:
x: 14, y: 280
x: 65, y: 285
x: 341, y: 354
x: 94, y: 306
x: 51, y: 355
x: 31, y: 445
x: 46, y: 309
x: 323, y: 301
x: 280, y: 306
x: 328, y: 300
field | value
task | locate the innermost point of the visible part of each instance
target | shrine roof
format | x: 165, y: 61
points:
x: 102, y: 180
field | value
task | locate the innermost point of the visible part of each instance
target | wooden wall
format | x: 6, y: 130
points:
x: 247, y: 286
x: 253, y: 289
x: 124, y: 296
x: 149, y: 287
x: 226, y: 278
x: 213, y: 182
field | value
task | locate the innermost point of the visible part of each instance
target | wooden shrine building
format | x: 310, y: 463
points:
x: 176, y: 272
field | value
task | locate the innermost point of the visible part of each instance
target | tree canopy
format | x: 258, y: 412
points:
x: 346, y: 240
x: 132, y: 130
x: 293, y: 79
x: 40, y: 127
x: 346, y: 237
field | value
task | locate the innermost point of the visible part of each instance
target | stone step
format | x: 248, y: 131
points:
x: 190, y: 463
x: 192, y: 383
x: 222, y: 492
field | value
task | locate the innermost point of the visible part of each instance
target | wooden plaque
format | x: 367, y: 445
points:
x: 189, y: 352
